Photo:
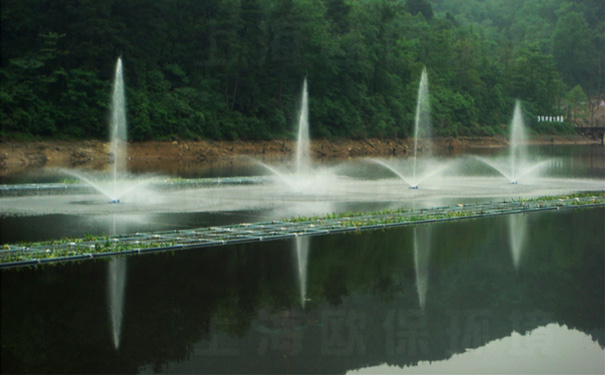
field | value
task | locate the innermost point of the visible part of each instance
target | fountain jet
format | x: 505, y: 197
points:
x: 301, y: 177
x: 118, y: 126
x: 422, y: 129
x: 517, y: 165
x: 422, y: 122
x: 303, y: 144
x: 118, y: 144
x: 518, y: 140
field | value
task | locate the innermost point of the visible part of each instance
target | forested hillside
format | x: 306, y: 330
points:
x: 234, y: 68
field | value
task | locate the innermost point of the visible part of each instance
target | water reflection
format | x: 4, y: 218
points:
x: 231, y: 309
x: 552, y: 349
x: 116, y: 284
x: 517, y: 229
x: 302, y: 257
x: 422, y: 251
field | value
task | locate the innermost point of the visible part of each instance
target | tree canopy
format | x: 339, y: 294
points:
x: 234, y: 68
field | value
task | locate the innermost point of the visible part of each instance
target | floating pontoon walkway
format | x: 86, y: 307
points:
x: 140, y: 243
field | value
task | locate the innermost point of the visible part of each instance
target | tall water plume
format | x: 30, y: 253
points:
x: 422, y: 130
x: 118, y: 126
x: 300, y: 178
x: 422, y: 122
x: 517, y: 164
x: 303, y: 144
x: 118, y: 185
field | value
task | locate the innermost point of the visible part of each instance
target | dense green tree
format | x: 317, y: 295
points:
x: 576, y: 98
x: 234, y: 68
x: 534, y: 77
x: 572, y: 48
x: 420, y: 6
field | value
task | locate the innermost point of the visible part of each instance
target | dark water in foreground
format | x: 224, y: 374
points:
x: 531, y: 283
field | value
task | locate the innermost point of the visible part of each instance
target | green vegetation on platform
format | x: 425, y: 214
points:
x: 233, y: 69
x: 391, y: 216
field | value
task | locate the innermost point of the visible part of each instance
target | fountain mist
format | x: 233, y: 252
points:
x: 388, y: 167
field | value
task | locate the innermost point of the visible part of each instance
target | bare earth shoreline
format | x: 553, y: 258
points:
x: 16, y: 156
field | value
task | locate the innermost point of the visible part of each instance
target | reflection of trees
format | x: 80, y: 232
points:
x: 55, y: 320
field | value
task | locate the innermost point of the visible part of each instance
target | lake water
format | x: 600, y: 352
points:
x: 517, y: 293
x: 503, y: 294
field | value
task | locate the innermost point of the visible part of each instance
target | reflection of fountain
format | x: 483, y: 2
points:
x: 517, y: 165
x: 302, y: 257
x: 118, y: 147
x: 116, y: 283
x: 422, y: 129
x: 422, y: 251
x: 517, y: 224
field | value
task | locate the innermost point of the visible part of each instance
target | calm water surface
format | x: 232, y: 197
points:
x: 517, y: 293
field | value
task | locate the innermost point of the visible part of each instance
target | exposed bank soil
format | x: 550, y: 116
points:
x: 16, y: 156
